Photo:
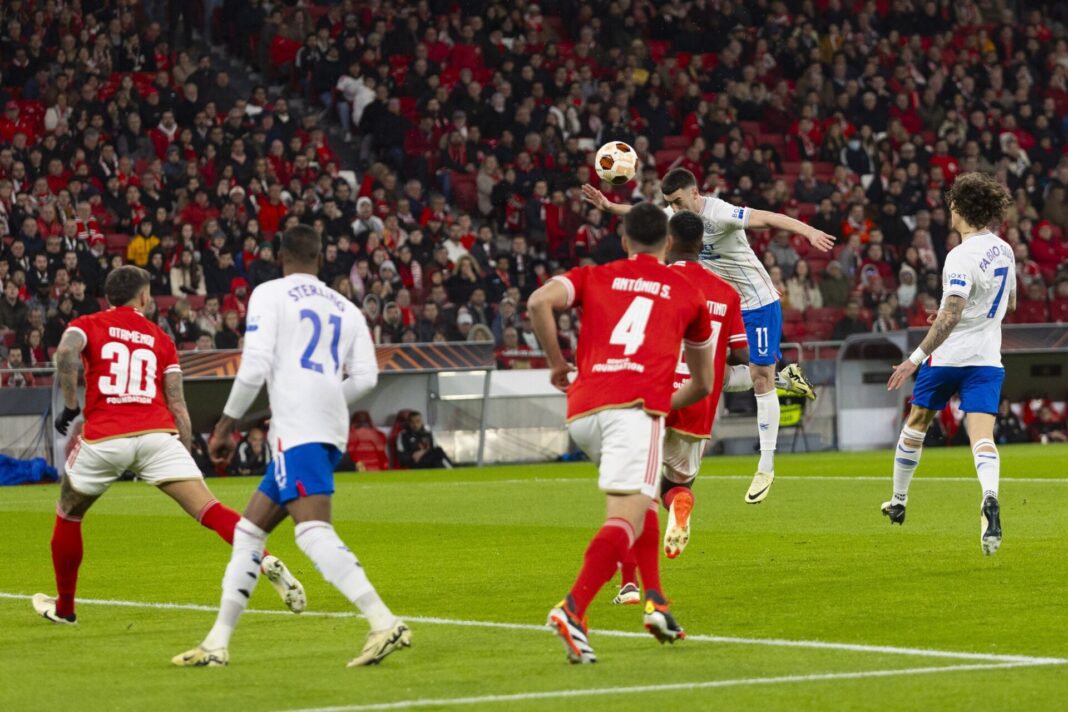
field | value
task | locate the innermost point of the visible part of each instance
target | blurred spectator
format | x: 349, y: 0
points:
x: 15, y: 378
x: 802, y: 292
x: 850, y: 323
x: 834, y: 287
x: 416, y: 448
x: 1007, y: 426
x: 1047, y: 427
x: 229, y: 336
x: 251, y: 456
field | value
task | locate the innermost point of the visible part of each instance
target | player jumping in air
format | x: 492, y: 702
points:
x: 135, y: 419
x: 727, y: 253
x: 689, y: 429
x: 962, y: 351
x: 301, y: 338
x: 636, y: 314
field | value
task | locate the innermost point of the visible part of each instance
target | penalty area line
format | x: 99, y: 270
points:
x: 667, y: 687
x: 694, y: 638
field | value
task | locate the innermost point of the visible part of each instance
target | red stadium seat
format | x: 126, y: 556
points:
x: 823, y: 315
x: 793, y: 315
x: 793, y: 331
x: 1059, y: 310
x: 164, y: 303
x: 1032, y: 312
x: 196, y: 301
x: 676, y: 142
x: 367, y: 445
x: 116, y: 242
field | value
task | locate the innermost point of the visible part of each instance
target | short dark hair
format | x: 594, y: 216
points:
x: 979, y: 199
x: 302, y: 244
x: 124, y: 283
x: 646, y: 224
x: 677, y: 179
x: 687, y: 230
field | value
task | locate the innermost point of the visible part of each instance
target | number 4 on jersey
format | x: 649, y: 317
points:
x: 630, y: 329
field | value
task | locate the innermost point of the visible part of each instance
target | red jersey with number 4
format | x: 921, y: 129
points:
x: 125, y: 358
x: 723, y: 307
x: 635, y: 315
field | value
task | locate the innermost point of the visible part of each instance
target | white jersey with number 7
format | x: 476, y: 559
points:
x: 301, y: 338
x: 982, y: 270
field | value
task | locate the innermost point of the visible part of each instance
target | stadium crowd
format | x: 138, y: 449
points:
x: 439, y: 148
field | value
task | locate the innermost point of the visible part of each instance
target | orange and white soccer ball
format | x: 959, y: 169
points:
x: 616, y: 162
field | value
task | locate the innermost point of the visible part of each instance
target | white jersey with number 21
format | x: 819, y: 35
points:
x: 982, y: 270
x: 302, y: 337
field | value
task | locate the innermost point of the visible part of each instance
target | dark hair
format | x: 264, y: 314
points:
x: 646, y: 224
x: 302, y: 244
x: 687, y: 230
x: 979, y: 199
x: 677, y: 179
x: 124, y: 283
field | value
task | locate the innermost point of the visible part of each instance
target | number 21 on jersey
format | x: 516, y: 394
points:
x: 306, y: 360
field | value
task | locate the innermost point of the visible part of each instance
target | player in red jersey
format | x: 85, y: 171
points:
x: 689, y: 429
x: 635, y: 315
x: 135, y: 419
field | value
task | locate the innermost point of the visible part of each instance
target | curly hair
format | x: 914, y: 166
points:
x: 979, y: 199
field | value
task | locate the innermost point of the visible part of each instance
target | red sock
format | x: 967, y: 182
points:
x: 607, y: 548
x: 673, y: 492
x: 647, y: 551
x: 221, y: 519
x: 66, y: 558
x: 629, y: 569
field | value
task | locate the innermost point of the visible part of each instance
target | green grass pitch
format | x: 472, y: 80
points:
x: 455, y: 550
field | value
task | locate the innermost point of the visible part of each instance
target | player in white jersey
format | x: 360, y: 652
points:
x: 301, y: 338
x: 962, y: 351
x: 727, y: 253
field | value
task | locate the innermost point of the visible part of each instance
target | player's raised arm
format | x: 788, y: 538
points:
x: 598, y: 200
x: 68, y: 358
x: 543, y: 304
x: 766, y: 219
x: 362, y: 366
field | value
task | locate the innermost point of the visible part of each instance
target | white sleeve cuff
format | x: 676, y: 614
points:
x: 568, y: 286
x: 700, y: 344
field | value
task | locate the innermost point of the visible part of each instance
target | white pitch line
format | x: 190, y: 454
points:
x: 667, y: 687
x: 495, y: 625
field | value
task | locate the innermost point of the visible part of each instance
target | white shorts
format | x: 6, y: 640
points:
x: 627, y: 445
x: 682, y: 456
x: 157, y: 458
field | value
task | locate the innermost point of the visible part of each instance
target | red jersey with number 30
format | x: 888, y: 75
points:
x: 635, y: 314
x: 125, y: 358
x: 723, y: 307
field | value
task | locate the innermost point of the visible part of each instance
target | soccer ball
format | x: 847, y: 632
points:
x: 616, y: 162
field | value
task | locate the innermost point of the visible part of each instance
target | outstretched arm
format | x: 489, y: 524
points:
x: 947, y: 319
x: 172, y: 388
x: 596, y: 198
x: 763, y: 218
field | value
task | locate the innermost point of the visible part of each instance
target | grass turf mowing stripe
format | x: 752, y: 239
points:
x: 432, y: 620
x: 668, y: 687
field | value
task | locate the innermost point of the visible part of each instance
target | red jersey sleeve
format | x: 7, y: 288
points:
x: 80, y: 326
x: 736, y: 337
x: 699, y: 329
x: 574, y: 282
x: 167, y: 354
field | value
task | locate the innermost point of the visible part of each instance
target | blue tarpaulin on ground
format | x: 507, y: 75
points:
x: 23, y: 472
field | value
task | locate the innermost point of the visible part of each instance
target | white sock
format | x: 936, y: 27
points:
x: 239, y: 581
x: 737, y: 379
x: 339, y: 566
x: 906, y: 460
x: 768, y: 428
x: 987, y: 466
